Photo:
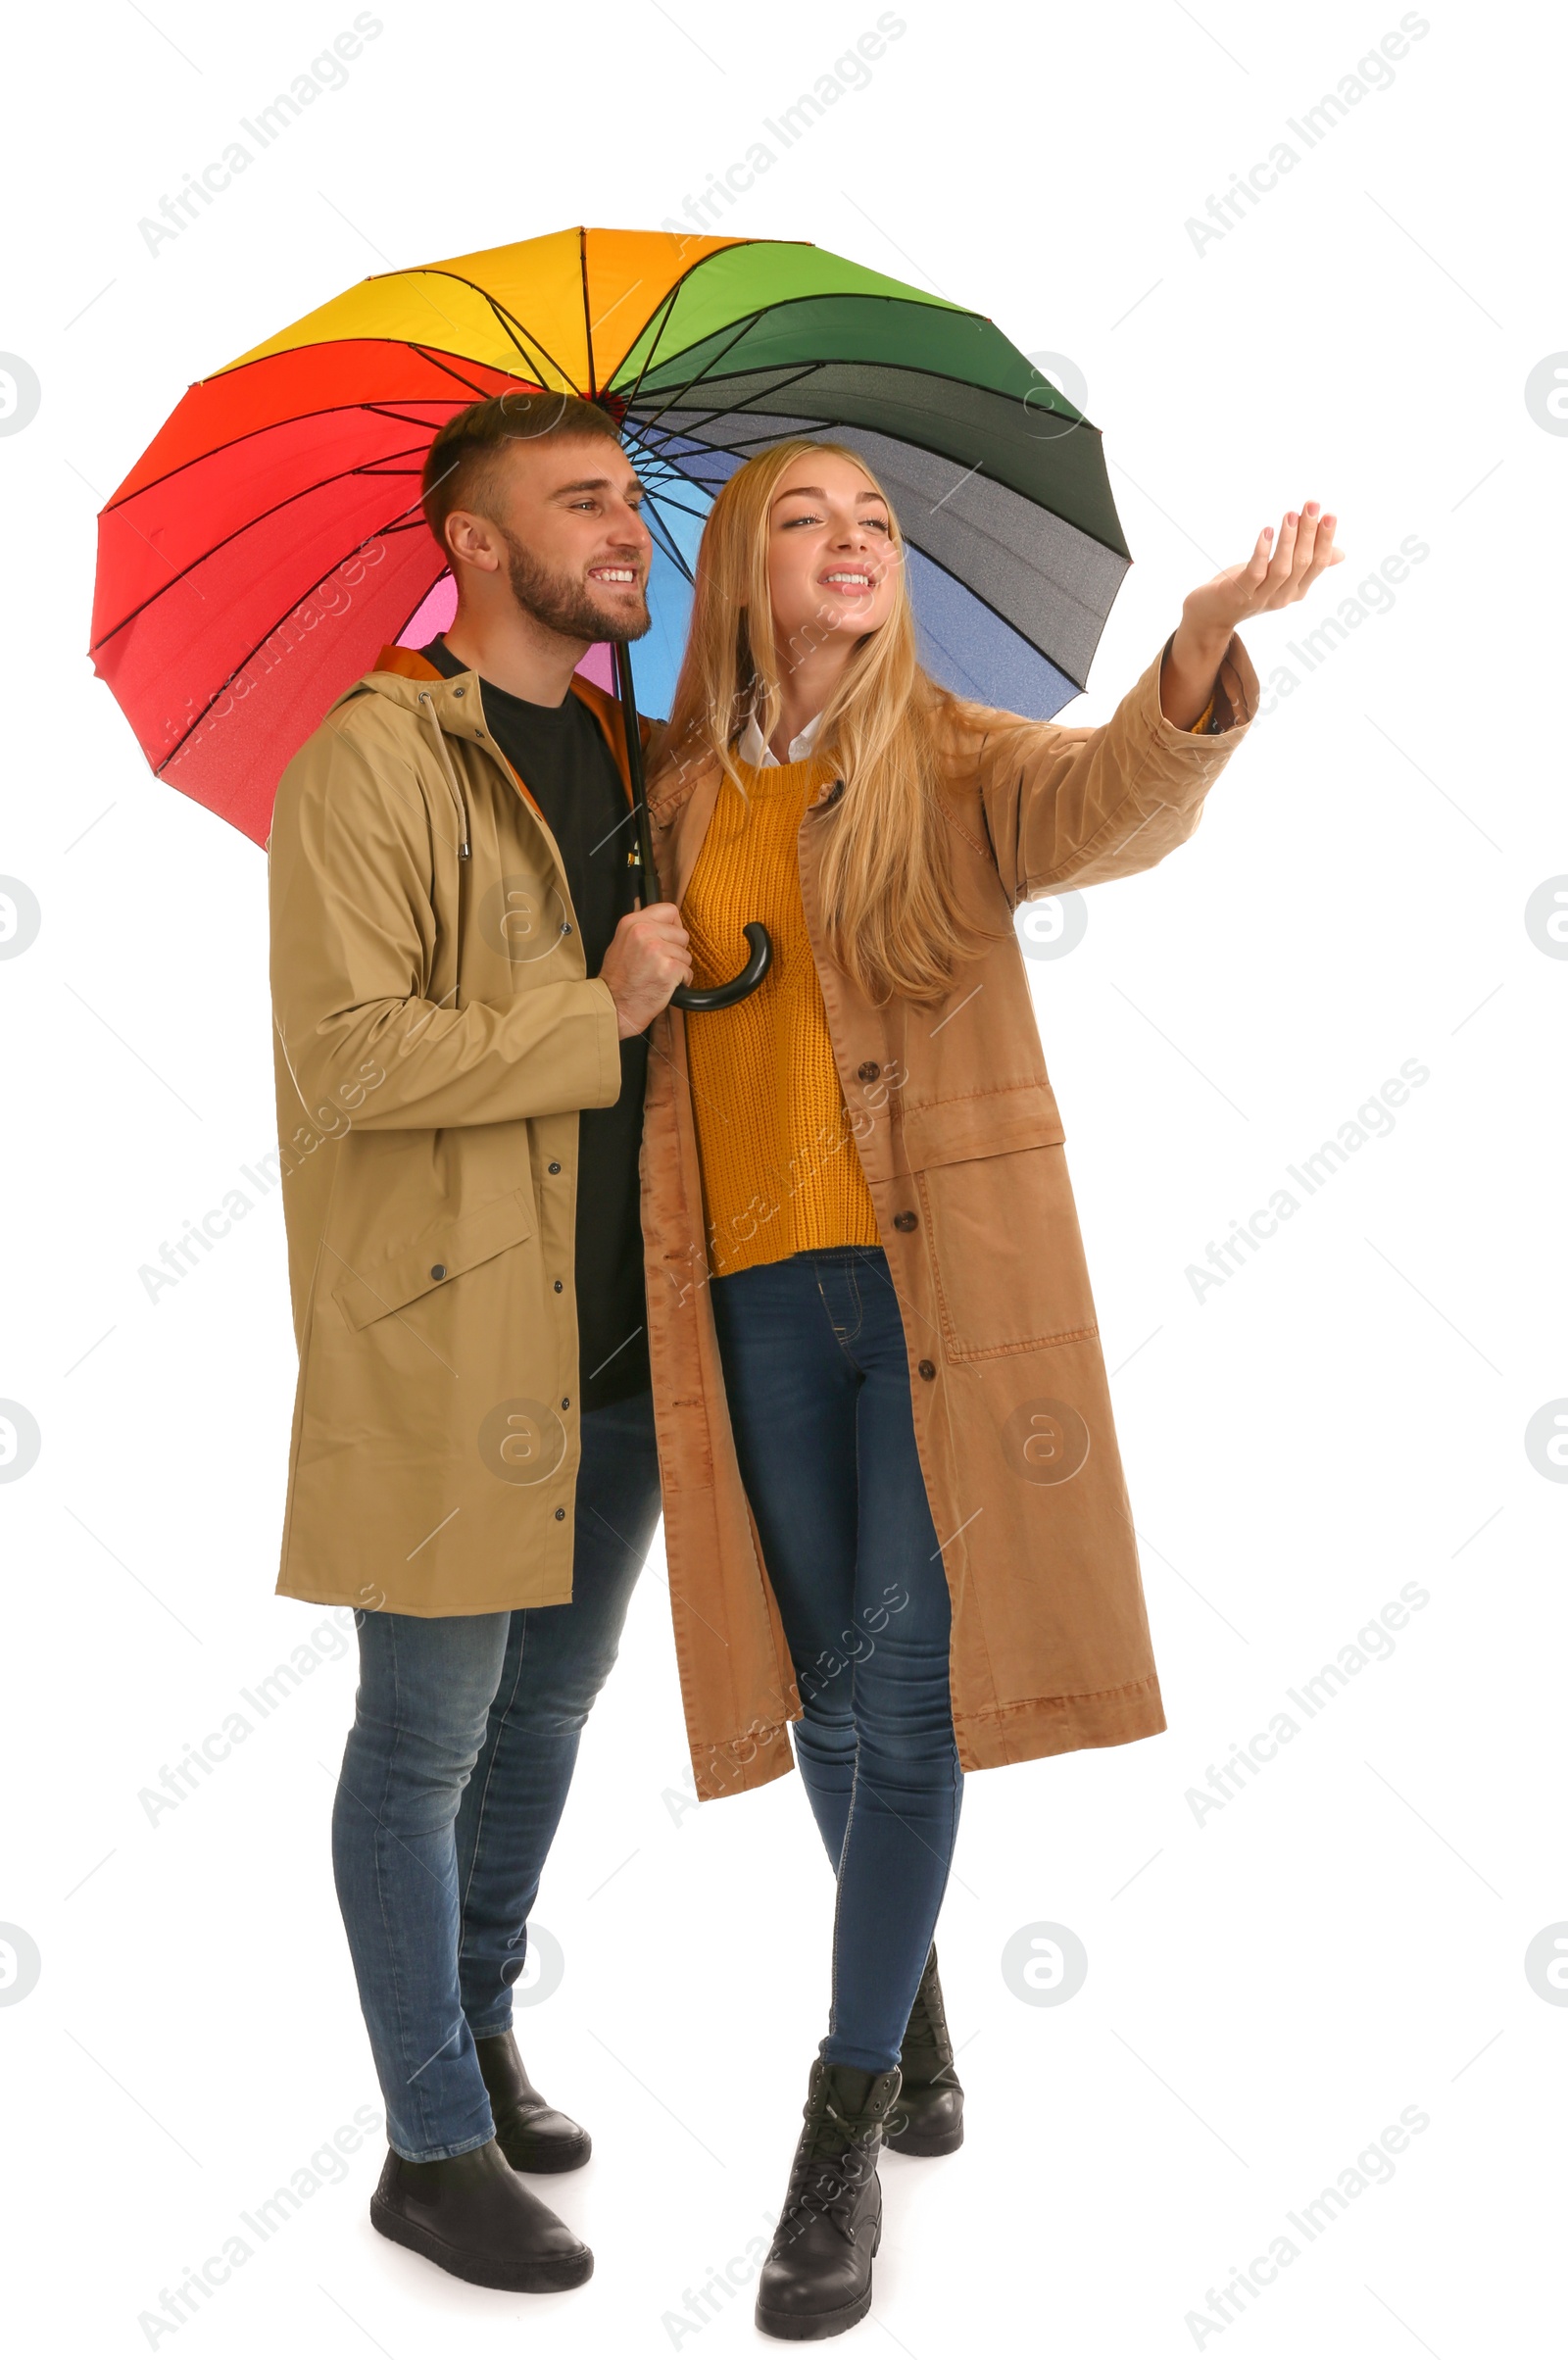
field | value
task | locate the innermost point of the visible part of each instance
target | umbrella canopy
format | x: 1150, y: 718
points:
x: 269, y: 540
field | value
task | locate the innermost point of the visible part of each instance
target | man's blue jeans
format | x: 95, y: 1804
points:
x: 817, y: 1371
x: 453, y: 1779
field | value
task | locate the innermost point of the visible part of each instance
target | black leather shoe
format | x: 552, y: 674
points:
x: 533, y: 2135
x: 816, y: 2279
x: 928, y: 2119
x: 472, y: 2215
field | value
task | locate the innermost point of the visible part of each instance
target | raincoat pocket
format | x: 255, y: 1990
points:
x: 371, y: 1289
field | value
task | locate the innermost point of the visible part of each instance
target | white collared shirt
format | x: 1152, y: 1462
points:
x: 754, y: 749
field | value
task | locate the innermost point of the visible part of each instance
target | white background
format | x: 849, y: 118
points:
x: 1268, y: 1987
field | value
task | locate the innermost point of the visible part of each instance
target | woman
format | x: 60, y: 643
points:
x: 872, y: 1333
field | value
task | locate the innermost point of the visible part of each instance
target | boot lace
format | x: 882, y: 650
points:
x: 825, y: 2186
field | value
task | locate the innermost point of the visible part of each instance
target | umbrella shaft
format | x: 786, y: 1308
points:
x: 625, y: 689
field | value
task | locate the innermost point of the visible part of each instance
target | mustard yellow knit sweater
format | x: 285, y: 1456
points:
x: 780, y: 1169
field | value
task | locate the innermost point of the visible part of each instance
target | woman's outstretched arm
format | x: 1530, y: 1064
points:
x: 1067, y: 806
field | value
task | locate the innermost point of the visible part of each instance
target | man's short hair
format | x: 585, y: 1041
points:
x: 461, y: 462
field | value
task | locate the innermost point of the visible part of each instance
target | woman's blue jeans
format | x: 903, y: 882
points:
x: 453, y: 1779
x: 817, y: 1371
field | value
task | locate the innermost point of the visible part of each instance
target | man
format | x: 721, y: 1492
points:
x: 461, y: 983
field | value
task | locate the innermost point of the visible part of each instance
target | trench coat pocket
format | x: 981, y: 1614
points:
x: 982, y: 1122
x: 1005, y: 1249
x: 371, y: 1288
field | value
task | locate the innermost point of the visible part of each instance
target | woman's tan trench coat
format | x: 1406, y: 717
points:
x: 436, y: 1032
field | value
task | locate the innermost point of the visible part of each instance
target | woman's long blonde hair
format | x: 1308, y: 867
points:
x: 891, y: 914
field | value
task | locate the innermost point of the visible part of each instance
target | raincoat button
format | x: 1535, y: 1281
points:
x: 558, y: 1286
x: 566, y: 1401
x: 928, y: 1369
x: 460, y: 692
x: 438, y: 1269
x: 905, y: 1220
x: 555, y: 1167
x: 561, y: 1516
x: 869, y: 1071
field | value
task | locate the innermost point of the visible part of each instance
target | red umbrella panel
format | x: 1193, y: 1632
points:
x: 301, y: 469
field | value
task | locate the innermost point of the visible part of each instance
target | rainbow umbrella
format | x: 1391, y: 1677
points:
x: 270, y: 541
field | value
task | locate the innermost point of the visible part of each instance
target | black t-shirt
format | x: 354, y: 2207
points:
x: 560, y: 754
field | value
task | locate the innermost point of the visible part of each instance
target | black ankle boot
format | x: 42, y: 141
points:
x: 816, y: 2279
x: 472, y: 2215
x: 532, y: 2135
x: 928, y: 2119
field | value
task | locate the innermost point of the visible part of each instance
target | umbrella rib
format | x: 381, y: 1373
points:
x: 668, y: 477
x: 668, y: 500
x: 671, y: 299
x: 509, y: 320
x: 521, y: 339
x: 438, y: 359
x: 230, y: 677
x: 587, y: 316
x: 780, y: 385
x: 908, y: 369
x: 675, y: 391
x: 304, y: 493
x: 745, y: 445
x: 846, y: 295
x: 903, y: 434
x: 272, y: 426
x: 744, y: 442
x: 850, y: 296
x: 667, y: 306
x: 1006, y: 621
x: 398, y: 417
x: 670, y: 547
x: 426, y: 352
x: 740, y: 442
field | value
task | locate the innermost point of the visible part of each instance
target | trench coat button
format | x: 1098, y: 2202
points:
x: 460, y: 692
x: 438, y: 1269
x: 566, y: 1401
x: 558, y: 1286
x: 561, y: 1516
x: 928, y: 1369
x: 555, y: 1167
x: 869, y: 1071
x: 905, y: 1220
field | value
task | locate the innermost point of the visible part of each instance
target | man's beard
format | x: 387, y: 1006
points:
x: 561, y: 603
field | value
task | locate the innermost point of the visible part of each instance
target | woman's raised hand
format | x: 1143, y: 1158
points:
x: 1269, y: 577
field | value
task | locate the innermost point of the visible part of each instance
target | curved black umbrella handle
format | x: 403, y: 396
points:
x: 685, y: 994
x: 725, y: 995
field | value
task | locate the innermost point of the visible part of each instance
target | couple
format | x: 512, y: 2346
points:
x: 837, y: 1323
